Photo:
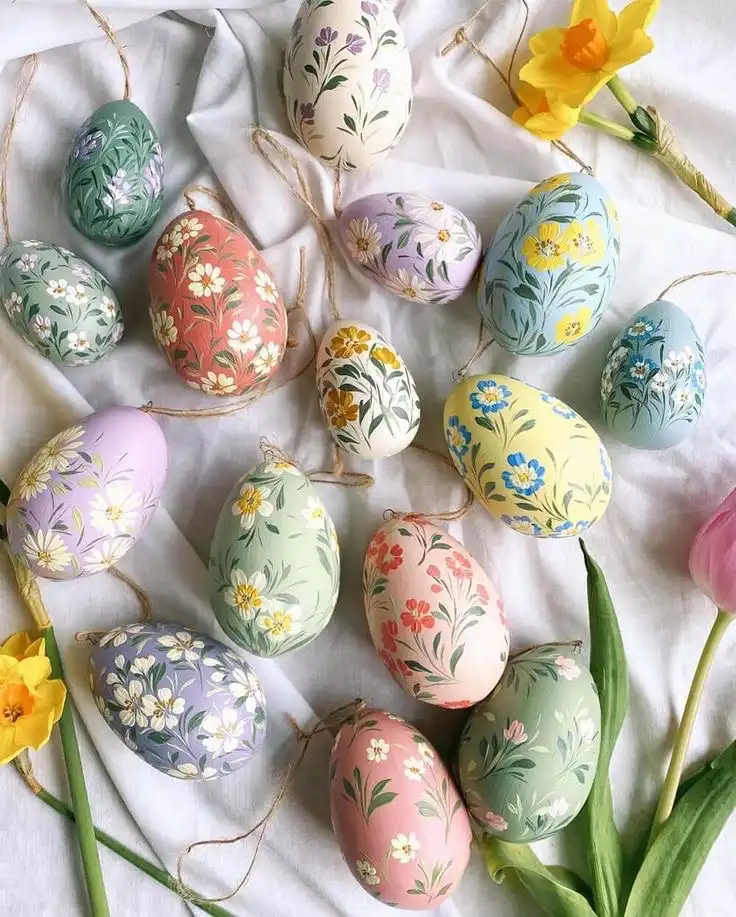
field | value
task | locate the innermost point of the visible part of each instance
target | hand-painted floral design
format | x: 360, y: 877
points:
x: 433, y: 614
x: 532, y: 461
x: 347, y: 81
x: 366, y: 393
x: 186, y: 704
x: 528, y: 753
x: 550, y: 268
x: 113, y: 180
x: 398, y: 817
x: 420, y: 249
x: 217, y: 315
x: 274, y: 562
x: 653, y: 382
x: 83, y: 499
x: 59, y: 304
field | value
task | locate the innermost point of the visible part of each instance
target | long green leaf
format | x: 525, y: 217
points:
x: 676, y: 857
x: 551, y: 890
x: 610, y: 673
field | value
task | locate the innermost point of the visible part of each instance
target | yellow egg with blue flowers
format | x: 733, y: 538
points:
x: 531, y: 460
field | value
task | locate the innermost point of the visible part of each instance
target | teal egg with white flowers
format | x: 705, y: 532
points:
x: 550, y: 268
x: 654, y: 382
x: 113, y: 183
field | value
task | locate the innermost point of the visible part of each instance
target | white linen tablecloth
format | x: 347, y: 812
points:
x: 205, y: 78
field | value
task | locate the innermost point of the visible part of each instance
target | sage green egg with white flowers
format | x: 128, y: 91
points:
x: 528, y: 753
x: 274, y: 561
x: 59, y: 303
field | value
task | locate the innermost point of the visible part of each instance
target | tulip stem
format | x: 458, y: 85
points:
x: 685, y: 729
x: 606, y: 125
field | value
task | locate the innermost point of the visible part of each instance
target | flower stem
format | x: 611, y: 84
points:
x: 77, y: 787
x: 606, y: 125
x: 622, y: 94
x: 685, y: 729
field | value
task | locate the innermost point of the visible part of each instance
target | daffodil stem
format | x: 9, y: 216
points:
x: 685, y: 729
x: 78, y: 790
x: 622, y: 94
x: 606, y: 125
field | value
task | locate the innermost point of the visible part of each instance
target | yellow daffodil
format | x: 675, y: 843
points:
x: 23, y: 646
x: 573, y: 64
x: 30, y: 703
x: 549, y: 184
x: 543, y: 115
x: 546, y: 250
x: 572, y: 327
x: 585, y: 243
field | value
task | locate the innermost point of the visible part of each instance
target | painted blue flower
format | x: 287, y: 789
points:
x: 490, y: 397
x: 569, y: 529
x: 525, y: 477
x: 697, y: 377
x: 640, y: 368
x: 641, y: 329
x: 458, y: 438
x: 522, y: 524
x: 559, y: 407
x: 605, y: 464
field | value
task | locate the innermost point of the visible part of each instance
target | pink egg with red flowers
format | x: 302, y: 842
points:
x: 396, y: 813
x: 435, y: 617
x: 217, y: 314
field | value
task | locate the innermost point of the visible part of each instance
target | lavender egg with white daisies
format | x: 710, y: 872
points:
x: 185, y: 703
x: 418, y: 248
x: 81, y: 502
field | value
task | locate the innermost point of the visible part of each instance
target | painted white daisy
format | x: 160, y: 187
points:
x: 115, y: 510
x: 404, y: 847
x: 363, y: 240
x: 41, y: 326
x: 442, y: 241
x: 206, y: 280
x: 218, y: 384
x: 33, y: 479
x: 265, y: 287
x: 243, y: 337
x: 269, y: 357
x: 408, y: 285
x: 62, y: 451
x: 107, y: 554
x: 164, y: 329
x: 47, y: 550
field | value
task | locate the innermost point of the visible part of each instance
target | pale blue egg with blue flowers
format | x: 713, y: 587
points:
x: 551, y: 266
x: 653, y: 382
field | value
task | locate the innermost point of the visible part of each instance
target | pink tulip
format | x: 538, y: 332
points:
x: 713, y: 556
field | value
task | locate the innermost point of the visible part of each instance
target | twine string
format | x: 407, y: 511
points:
x: 337, y: 193
x: 262, y: 140
x: 92, y: 637
x: 217, y: 195
x: 686, y: 278
x: 238, y: 405
x: 112, y: 37
x: 332, y: 720
x: 25, y: 78
x: 335, y: 475
x: 480, y: 349
x: 448, y: 516
x: 461, y: 36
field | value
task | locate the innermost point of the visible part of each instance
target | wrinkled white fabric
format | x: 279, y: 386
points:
x: 205, y: 78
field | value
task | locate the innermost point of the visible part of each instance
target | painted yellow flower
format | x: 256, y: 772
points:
x: 386, y: 356
x: 30, y: 703
x: 547, y: 250
x: 549, y: 184
x: 340, y: 408
x: 573, y: 64
x: 585, y: 242
x: 350, y: 341
x: 543, y: 114
x: 281, y: 623
x: 572, y: 327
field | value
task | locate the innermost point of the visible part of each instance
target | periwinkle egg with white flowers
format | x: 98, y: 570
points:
x: 186, y: 704
x: 653, y: 382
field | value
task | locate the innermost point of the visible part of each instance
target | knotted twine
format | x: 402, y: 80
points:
x: 112, y: 37
x: 218, y: 195
x: 92, y: 637
x: 461, y: 37
x: 448, y: 516
x: 25, y: 78
x: 686, y: 278
x: 335, y: 475
x: 330, y: 722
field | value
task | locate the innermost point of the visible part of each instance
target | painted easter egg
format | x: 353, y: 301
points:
x: 274, y: 561
x: 532, y: 461
x: 183, y: 702
x: 397, y: 816
x: 217, y: 315
x: 551, y: 265
x: 435, y: 617
x: 418, y: 248
x: 366, y: 393
x: 653, y: 381
x: 113, y: 185
x: 528, y: 753
x: 82, y: 501
x: 347, y: 81
x: 58, y: 303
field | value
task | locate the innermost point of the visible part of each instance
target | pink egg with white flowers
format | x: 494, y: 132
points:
x: 435, y: 617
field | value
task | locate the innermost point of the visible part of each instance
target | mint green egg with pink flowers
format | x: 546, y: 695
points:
x: 529, y: 752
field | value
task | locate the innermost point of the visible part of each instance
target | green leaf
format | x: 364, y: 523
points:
x: 609, y: 670
x: 549, y: 888
x: 349, y: 122
x: 348, y: 787
x: 333, y: 83
x: 672, y: 864
x: 382, y: 799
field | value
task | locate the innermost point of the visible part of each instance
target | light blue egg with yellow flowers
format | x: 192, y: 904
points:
x: 653, y: 382
x: 551, y: 266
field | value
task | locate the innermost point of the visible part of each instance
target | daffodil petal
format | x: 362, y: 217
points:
x: 17, y: 645
x: 633, y: 49
x: 554, y: 74
x: 51, y: 696
x: 598, y: 11
x: 521, y: 116
x: 547, y: 42
x: 531, y: 98
x: 33, y: 671
x: 9, y: 748
x: 34, y: 731
x: 637, y: 15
